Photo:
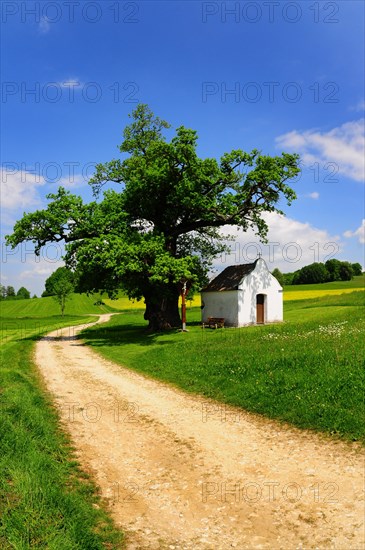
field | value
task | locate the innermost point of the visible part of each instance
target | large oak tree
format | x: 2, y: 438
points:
x: 163, y: 226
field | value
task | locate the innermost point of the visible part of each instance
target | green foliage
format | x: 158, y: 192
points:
x: 63, y: 290
x: 60, y: 285
x: 289, y: 277
x: 311, y: 274
x: 341, y: 271
x: 346, y: 272
x: 23, y: 293
x: 164, y: 223
x: 60, y: 275
x: 278, y: 276
x: 356, y: 269
x: 8, y: 293
x: 332, y: 270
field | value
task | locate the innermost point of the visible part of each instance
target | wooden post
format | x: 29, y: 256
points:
x: 184, y: 289
x: 183, y: 307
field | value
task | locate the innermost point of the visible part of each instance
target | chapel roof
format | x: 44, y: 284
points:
x: 229, y: 278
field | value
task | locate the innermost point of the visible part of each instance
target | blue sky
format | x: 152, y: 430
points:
x: 273, y: 75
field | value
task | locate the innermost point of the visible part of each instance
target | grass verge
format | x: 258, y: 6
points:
x: 46, y: 500
x: 308, y: 371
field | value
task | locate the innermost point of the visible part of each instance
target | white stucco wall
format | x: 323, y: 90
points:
x: 239, y: 307
x: 260, y: 281
x: 221, y: 304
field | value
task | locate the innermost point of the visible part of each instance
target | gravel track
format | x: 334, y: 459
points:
x: 182, y: 472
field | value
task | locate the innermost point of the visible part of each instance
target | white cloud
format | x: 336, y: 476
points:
x: 72, y: 180
x: 360, y: 106
x: 34, y: 277
x: 314, y: 195
x: 71, y: 83
x: 41, y: 270
x: 23, y: 268
x: 44, y: 25
x: 291, y: 245
x: 8, y: 219
x: 344, y: 145
x: 359, y: 233
x: 19, y: 188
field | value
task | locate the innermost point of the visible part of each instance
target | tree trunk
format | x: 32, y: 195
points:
x: 162, y: 308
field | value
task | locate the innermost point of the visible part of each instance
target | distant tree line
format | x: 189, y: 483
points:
x: 8, y: 293
x: 332, y: 270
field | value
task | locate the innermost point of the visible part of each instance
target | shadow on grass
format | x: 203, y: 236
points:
x: 33, y: 329
x: 126, y: 334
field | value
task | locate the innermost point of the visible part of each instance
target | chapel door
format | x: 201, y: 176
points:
x: 260, y: 308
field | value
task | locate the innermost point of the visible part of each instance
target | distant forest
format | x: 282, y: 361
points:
x: 332, y: 270
x: 8, y: 293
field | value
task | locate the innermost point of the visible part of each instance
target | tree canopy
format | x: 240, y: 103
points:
x: 60, y: 285
x: 8, y: 293
x: 23, y: 293
x: 332, y: 270
x: 279, y: 276
x: 59, y: 276
x: 313, y: 273
x: 356, y: 268
x: 163, y: 225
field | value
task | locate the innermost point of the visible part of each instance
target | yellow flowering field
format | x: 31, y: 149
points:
x: 316, y: 293
x: 124, y: 303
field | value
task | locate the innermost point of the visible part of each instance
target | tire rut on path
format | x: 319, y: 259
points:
x: 182, y: 472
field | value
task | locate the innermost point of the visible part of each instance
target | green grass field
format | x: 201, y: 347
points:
x: 46, y: 500
x: 357, y: 283
x: 308, y: 371
x: 292, y: 292
x: 78, y: 304
x: 303, y: 292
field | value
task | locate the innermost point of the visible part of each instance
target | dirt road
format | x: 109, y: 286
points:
x: 181, y: 472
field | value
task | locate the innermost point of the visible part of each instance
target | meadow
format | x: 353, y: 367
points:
x: 291, y: 292
x: 303, y: 292
x: 308, y: 371
x: 46, y: 500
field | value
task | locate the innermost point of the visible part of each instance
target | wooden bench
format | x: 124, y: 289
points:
x: 214, y: 322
